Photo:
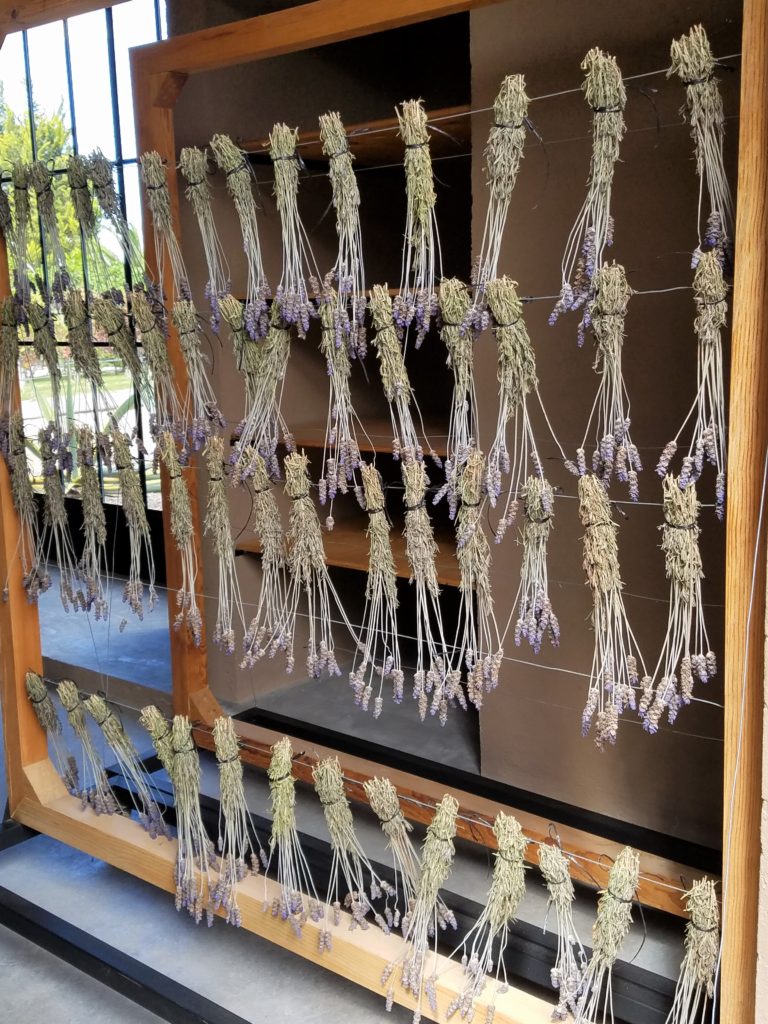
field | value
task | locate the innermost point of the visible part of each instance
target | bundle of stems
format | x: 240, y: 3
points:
x: 484, y: 945
x: 605, y: 93
x: 80, y: 340
x: 685, y: 655
x: 139, y: 782
x: 56, y: 459
x: 6, y: 218
x: 193, y: 164
x: 478, y: 644
x: 300, y: 276
x: 159, y: 729
x: 614, y: 918
x: 535, y: 615
x: 93, y: 790
x: 138, y: 528
x: 504, y: 152
x: 150, y: 323
x: 218, y: 526
x: 202, y: 413
x: 9, y: 369
x: 19, y: 237
x: 694, y: 64
x: 406, y: 861
x: 110, y: 317
x: 41, y: 180
x: 708, y: 442
x: 422, y: 260
x: 614, y: 451
x: 267, y: 633
x: 48, y: 717
x: 247, y: 357
x: 195, y: 853
x: 85, y: 214
x: 103, y: 183
x: 93, y: 566
x: 614, y: 674
x: 234, y: 163
x: 44, y: 344
x: 183, y: 532
x: 237, y: 854
x: 298, y: 901
x: 696, y: 982
x: 419, y: 923
x: 348, y: 270
x: 378, y: 650
x: 167, y: 249
x: 353, y: 881
x: 571, y: 960
x: 30, y: 550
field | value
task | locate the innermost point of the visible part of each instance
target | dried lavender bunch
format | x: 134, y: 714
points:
x: 267, y: 632
x: 151, y: 327
x: 353, y: 881
x: 130, y: 765
x: 685, y: 655
x: 614, y: 918
x: 111, y: 318
x: 571, y: 960
x: 19, y: 236
x: 605, y: 93
x: 103, y: 184
x: 693, y: 62
x: 48, y: 717
x: 378, y: 650
x: 138, y: 527
x: 478, y: 643
x: 9, y: 368
x: 434, y: 674
x: 6, y: 217
x: 93, y: 566
x: 159, y: 729
x: 416, y: 975
x: 348, y: 270
x: 44, y: 344
x: 202, y: 412
x: 708, y: 441
x: 236, y: 848
x: 406, y: 861
x: 193, y: 164
x: 41, y: 180
x: 182, y: 529
x: 417, y: 301
x: 218, y: 526
x: 484, y: 945
x: 195, y: 854
x: 93, y: 789
x: 503, y: 155
x: 247, y: 357
x: 300, y: 275
x: 154, y: 178
x: 535, y: 616
x: 298, y: 900
x: 696, y: 982
x: 615, y: 662
x: 56, y: 459
x: 78, y: 171
x: 239, y: 178
x: 30, y: 550
x: 614, y: 451
x: 80, y: 339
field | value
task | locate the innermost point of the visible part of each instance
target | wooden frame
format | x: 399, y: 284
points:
x: 25, y: 14
x: 36, y: 794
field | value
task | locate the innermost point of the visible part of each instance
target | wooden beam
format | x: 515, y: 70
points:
x: 16, y: 15
x: 745, y: 550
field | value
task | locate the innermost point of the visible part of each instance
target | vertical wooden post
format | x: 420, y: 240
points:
x: 744, y: 657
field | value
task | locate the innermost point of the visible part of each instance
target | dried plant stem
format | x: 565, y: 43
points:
x: 201, y: 408
x: 48, y: 717
x: 19, y: 237
x: 193, y: 164
x: 153, y: 175
x: 150, y: 322
x: 94, y: 790
x: 535, y: 615
x: 41, y: 180
x: 616, y: 657
x: 103, y: 183
x: 44, y: 344
x: 85, y: 214
x: 9, y: 368
x: 112, y: 320
x: 56, y: 459
x: 30, y: 550
x: 138, y: 527
x: 93, y: 565
x: 182, y: 529
x: 247, y: 357
x: 80, y: 338
x: 218, y: 526
x: 571, y: 960
x: 696, y: 983
x: 159, y: 729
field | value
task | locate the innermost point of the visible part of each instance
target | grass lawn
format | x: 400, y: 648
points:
x: 114, y: 382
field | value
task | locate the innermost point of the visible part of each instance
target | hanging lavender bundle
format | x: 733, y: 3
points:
x: 685, y: 655
x: 614, y: 451
x: 167, y: 250
x: 85, y: 214
x: 570, y: 962
x: 159, y: 729
x: 218, y: 526
x: 614, y: 918
x: 182, y: 529
x: 536, y: 617
x: 138, y: 527
x: 416, y: 975
x: 484, y: 945
x: 708, y: 442
x: 247, y: 358
x: 93, y: 567
x: 151, y: 327
x: 110, y: 317
x: 193, y: 164
x: 693, y: 62
x: 422, y: 264
x: 41, y: 180
x: 44, y: 345
x: 80, y: 340
x: 605, y: 93
x: 348, y: 270
x: 30, y: 550
x: 477, y: 636
x: 378, y: 650
x: 236, y: 846
x: 696, y: 982
x: 48, y: 717
x: 353, y: 881
x: 139, y: 782
x: 503, y: 155
x: 9, y: 369
x: 6, y: 218
x: 19, y: 237
x: 56, y: 459
x: 614, y: 674
x: 103, y: 183
x: 298, y: 901
x: 234, y: 163
x: 463, y: 425
x: 406, y: 861
x: 93, y: 789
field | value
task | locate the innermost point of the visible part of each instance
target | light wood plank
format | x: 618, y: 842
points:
x: 16, y: 15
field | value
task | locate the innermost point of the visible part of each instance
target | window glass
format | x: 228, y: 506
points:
x: 90, y: 83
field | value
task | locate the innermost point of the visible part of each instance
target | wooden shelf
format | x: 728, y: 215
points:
x: 378, y: 142
x: 374, y: 436
x: 346, y: 547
